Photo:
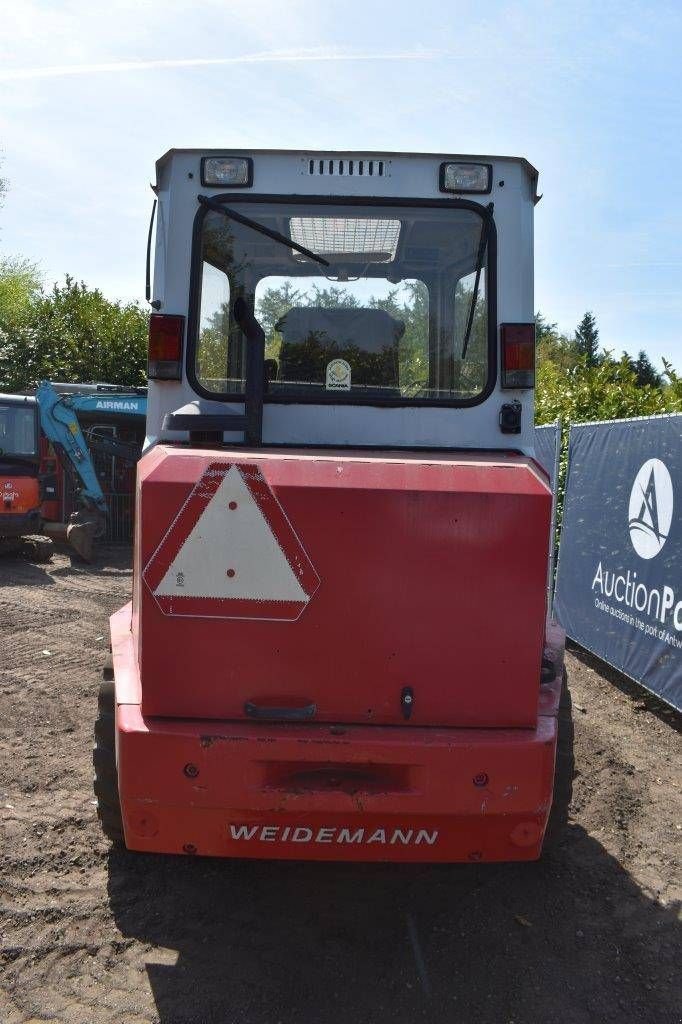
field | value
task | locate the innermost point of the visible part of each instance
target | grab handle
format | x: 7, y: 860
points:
x: 265, y: 713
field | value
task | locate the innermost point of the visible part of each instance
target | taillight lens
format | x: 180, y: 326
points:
x: 164, y: 361
x: 518, y: 355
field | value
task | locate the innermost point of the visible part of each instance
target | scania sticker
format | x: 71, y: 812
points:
x: 338, y: 375
x: 342, y: 836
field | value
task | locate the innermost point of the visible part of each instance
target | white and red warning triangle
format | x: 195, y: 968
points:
x: 231, y: 552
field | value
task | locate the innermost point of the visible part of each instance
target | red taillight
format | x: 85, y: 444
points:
x: 518, y: 355
x: 164, y: 360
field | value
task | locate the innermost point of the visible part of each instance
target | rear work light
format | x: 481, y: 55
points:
x: 164, y: 361
x: 227, y: 171
x: 466, y: 178
x: 518, y: 355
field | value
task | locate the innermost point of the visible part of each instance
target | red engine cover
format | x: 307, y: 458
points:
x: 354, y: 587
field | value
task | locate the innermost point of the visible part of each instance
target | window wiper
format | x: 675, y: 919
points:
x: 255, y: 226
x: 482, y: 245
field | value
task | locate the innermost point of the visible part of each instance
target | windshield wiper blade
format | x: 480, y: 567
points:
x: 482, y: 245
x: 227, y: 211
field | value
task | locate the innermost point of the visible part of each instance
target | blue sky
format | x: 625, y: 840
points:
x: 590, y: 92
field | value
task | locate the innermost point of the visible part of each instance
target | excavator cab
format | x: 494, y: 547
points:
x: 337, y: 646
x: 20, y: 492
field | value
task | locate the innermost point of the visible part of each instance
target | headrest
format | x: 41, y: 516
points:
x: 370, y: 330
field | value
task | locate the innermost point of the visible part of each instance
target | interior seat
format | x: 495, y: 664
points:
x: 367, y: 339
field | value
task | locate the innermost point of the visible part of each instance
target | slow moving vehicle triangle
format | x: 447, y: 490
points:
x: 231, y: 552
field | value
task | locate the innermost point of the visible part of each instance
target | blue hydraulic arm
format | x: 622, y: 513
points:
x: 107, y: 400
x: 59, y: 422
x: 60, y: 425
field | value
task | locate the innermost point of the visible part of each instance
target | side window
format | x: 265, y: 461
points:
x: 218, y: 363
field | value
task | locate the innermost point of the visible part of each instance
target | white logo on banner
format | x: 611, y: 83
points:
x: 651, y: 508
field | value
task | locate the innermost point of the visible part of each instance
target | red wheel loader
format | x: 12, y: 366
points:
x: 338, y: 642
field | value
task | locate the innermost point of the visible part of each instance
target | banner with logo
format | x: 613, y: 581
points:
x: 619, y: 579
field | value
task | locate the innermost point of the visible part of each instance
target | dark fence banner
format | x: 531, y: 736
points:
x: 546, y: 449
x: 619, y: 580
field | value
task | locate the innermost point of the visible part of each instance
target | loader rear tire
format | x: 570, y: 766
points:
x: 564, y: 772
x: 105, y: 781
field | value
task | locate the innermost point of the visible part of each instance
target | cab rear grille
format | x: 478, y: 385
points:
x: 347, y: 168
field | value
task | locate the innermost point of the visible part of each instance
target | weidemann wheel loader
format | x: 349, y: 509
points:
x: 337, y: 646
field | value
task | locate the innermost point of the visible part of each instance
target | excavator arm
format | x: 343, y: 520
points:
x: 60, y: 426
x: 73, y: 446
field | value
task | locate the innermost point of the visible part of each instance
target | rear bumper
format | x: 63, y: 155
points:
x: 316, y: 792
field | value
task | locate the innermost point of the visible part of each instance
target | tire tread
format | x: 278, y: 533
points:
x: 105, y: 780
x: 564, y: 771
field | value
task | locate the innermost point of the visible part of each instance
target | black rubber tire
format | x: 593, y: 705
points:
x: 564, y: 771
x: 105, y: 781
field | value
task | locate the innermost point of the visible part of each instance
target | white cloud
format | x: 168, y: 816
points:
x: 317, y: 55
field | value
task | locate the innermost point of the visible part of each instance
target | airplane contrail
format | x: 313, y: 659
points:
x: 272, y: 57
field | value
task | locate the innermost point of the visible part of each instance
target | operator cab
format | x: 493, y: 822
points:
x: 19, y: 435
x: 343, y: 300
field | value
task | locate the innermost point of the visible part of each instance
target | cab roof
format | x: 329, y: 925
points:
x: 17, y: 399
x: 530, y: 170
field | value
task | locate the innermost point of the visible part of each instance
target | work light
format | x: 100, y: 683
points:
x: 467, y: 177
x: 227, y: 171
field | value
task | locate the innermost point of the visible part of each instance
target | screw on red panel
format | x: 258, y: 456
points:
x: 475, y: 855
x: 230, y: 573
x: 191, y: 771
x: 189, y: 848
x: 481, y: 779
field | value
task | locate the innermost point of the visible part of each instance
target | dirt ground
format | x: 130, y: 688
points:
x: 87, y: 935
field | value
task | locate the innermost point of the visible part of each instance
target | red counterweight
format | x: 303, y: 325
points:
x: 338, y: 581
x: 337, y: 655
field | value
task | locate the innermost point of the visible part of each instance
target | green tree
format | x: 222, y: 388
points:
x: 672, y: 388
x: 19, y: 289
x: 605, y: 392
x: 75, y: 334
x: 551, y: 346
x: 587, y: 339
x: 644, y: 370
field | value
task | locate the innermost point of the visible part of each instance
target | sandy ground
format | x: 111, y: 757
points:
x: 88, y: 935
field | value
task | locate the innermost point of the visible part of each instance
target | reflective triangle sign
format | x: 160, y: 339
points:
x: 231, y: 552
